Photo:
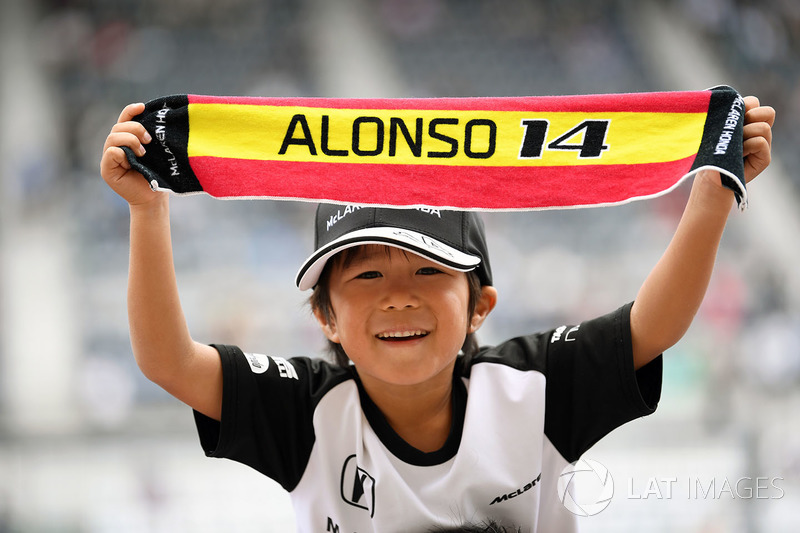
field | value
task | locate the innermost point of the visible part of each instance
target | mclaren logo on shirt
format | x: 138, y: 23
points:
x: 518, y: 492
x: 357, y: 486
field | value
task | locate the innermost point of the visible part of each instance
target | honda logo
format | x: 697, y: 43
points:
x: 357, y: 486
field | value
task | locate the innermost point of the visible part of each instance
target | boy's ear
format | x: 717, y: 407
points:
x: 486, y: 303
x: 328, y: 326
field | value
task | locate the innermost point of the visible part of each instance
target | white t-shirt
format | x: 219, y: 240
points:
x: 522, y: 411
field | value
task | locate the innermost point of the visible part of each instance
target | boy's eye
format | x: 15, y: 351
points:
x: 428, y: 271
x: 370, y: 274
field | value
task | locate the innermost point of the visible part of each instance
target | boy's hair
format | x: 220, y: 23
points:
x: 489, y: 526
x: 320, y: 301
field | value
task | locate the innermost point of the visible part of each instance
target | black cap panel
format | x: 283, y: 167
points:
x: 452, y: 238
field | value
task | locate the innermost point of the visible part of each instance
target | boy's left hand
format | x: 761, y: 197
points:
x: 758, y: 121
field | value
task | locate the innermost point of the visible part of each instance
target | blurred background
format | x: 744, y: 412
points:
x: 89, y: 445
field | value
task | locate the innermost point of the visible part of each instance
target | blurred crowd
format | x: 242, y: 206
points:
x: 236, y: 259
x: 759, y: 43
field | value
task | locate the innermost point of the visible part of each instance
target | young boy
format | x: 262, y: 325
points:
x: 403, y: 434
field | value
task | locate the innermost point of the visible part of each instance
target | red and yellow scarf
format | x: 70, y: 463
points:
x: 468, y: 153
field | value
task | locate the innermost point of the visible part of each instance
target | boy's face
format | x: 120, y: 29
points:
x: 399, y: 317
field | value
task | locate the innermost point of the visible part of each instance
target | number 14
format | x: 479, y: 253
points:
x: 592, y: 145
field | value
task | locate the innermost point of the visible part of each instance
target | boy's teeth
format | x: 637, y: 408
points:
x: 401, y: 334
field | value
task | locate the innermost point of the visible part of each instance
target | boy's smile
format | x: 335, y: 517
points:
x: 402, y: 335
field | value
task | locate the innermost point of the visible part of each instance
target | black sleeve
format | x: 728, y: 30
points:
x: 592, y: 387
x: 267, y: 412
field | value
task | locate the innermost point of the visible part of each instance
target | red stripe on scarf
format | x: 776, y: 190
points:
x: 469, y: 188
x: 664, y: 102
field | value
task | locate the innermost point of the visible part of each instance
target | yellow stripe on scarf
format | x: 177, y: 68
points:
x: 447, y: 137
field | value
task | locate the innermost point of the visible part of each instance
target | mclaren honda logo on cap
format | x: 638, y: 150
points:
x: 339, y: 215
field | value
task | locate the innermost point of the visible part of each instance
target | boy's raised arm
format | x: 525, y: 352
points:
x: 673, y: 291
x: 162, y: 345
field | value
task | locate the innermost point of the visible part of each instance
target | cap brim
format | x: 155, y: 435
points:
x: 409, y: 240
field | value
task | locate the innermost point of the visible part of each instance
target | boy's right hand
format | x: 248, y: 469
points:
x: 114, y: 165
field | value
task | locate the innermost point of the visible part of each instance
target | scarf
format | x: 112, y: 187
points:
x: 505, y: 153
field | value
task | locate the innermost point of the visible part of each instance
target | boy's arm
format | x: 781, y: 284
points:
x: 162, y: 345
x: 673, y: 291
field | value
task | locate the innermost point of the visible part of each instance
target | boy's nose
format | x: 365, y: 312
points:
x: 400, y: 295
